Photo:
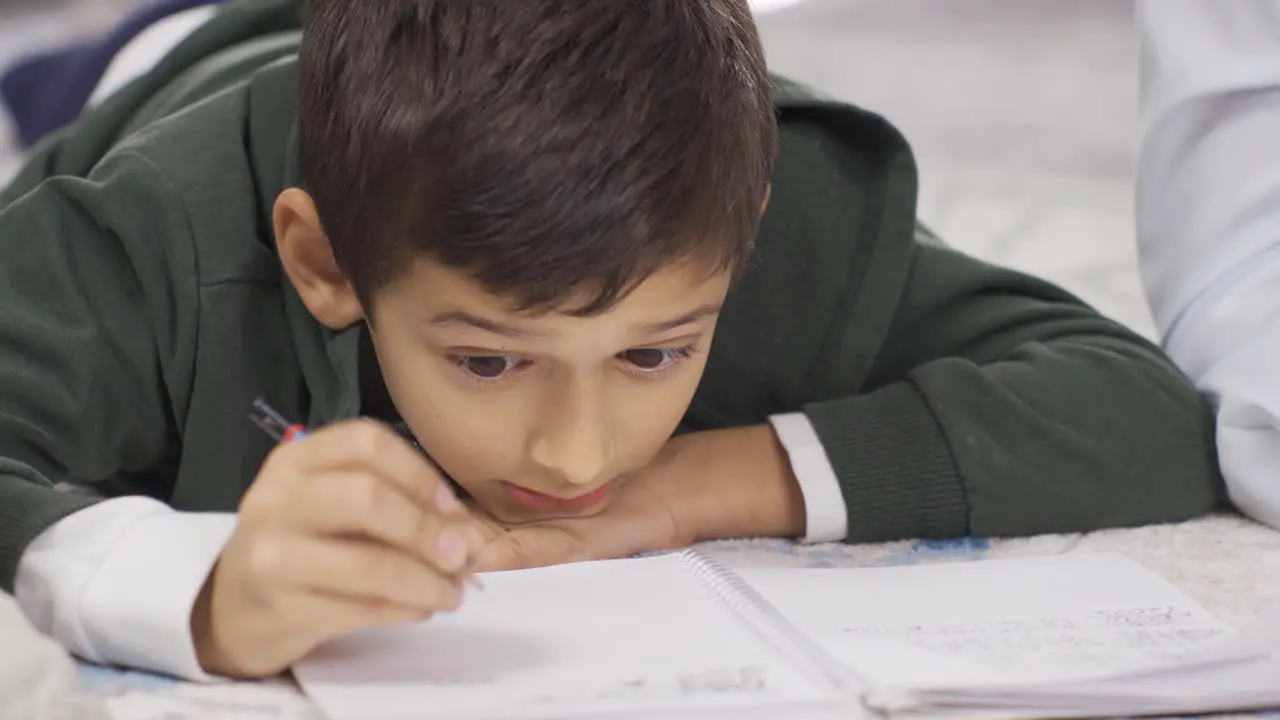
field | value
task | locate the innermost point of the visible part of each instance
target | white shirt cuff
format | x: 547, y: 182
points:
x: 116, y: 582
x: 826, y: 515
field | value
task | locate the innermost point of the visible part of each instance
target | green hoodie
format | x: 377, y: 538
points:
x: 142, y: 308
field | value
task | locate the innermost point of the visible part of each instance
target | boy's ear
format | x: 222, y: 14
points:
x: 768, y: 193
x: 308, y: 260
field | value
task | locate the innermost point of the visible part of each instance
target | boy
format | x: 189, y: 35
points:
x: 512, y: 228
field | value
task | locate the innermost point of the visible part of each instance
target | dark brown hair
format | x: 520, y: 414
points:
x: 545, y: 147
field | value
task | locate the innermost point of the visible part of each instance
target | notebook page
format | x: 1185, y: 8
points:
x: 1240, y: 686
x: 1004, y: 620
x: 629, y: 637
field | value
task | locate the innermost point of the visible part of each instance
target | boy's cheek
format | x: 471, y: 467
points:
x: 472, y: 449
x: 485, y: 496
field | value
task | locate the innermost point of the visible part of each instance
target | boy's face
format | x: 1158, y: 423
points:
x: 541, y: 416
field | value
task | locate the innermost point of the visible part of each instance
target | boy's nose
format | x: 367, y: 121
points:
x: 577, y: 460
x: 577, y: 449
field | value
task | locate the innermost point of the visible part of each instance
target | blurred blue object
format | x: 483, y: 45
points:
x: 47, y: 91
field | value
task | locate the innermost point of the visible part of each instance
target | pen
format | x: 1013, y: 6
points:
x: 281, y: 430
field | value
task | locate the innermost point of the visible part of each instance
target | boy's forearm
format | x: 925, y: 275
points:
x: 26, y: 510
x: 734, y: 483
x: 98, y: 321
x: 1068, y: 435
x: 895, y: 467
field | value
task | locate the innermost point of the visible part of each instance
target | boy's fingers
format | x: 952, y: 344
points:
x: 370, y: 446
x: 530, y: 547
x: 356, y: 570
x: 323, y: 616
x: 354, y: 503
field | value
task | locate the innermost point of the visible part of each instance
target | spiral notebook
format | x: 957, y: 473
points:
x: 680, y: 635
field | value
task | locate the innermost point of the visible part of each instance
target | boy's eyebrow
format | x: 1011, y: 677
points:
x: 458, y: 317
x: 688, y: 318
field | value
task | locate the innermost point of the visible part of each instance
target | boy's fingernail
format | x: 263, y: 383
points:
x: 446, y: 501
x: 451, y: 550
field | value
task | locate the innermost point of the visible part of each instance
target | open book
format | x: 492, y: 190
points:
x: 680, y: 635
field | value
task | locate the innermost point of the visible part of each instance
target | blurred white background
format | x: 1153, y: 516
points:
x: 1022, y: 112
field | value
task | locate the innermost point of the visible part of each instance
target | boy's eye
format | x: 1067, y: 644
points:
x: 645, y: 358
x: 489, y: 367
x: 650, y: 359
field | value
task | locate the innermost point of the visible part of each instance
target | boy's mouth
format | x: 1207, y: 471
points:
x: 541, y: 502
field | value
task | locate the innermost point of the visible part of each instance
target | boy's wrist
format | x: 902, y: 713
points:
x: 203, y: 638
x: 735, y: 483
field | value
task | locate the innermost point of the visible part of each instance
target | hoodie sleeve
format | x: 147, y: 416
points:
x: 1001, y: 405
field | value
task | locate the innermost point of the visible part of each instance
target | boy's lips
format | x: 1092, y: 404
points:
x: 534, y: 500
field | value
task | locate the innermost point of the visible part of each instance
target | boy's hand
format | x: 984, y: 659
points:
x: 702, y: 486
x: 346, y: 528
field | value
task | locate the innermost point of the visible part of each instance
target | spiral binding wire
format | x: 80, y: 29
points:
x: 731, y: 590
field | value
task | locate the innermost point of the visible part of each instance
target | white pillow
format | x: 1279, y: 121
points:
x: 146, y: 49
x: 37, y: 677
x: 761, y: 7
